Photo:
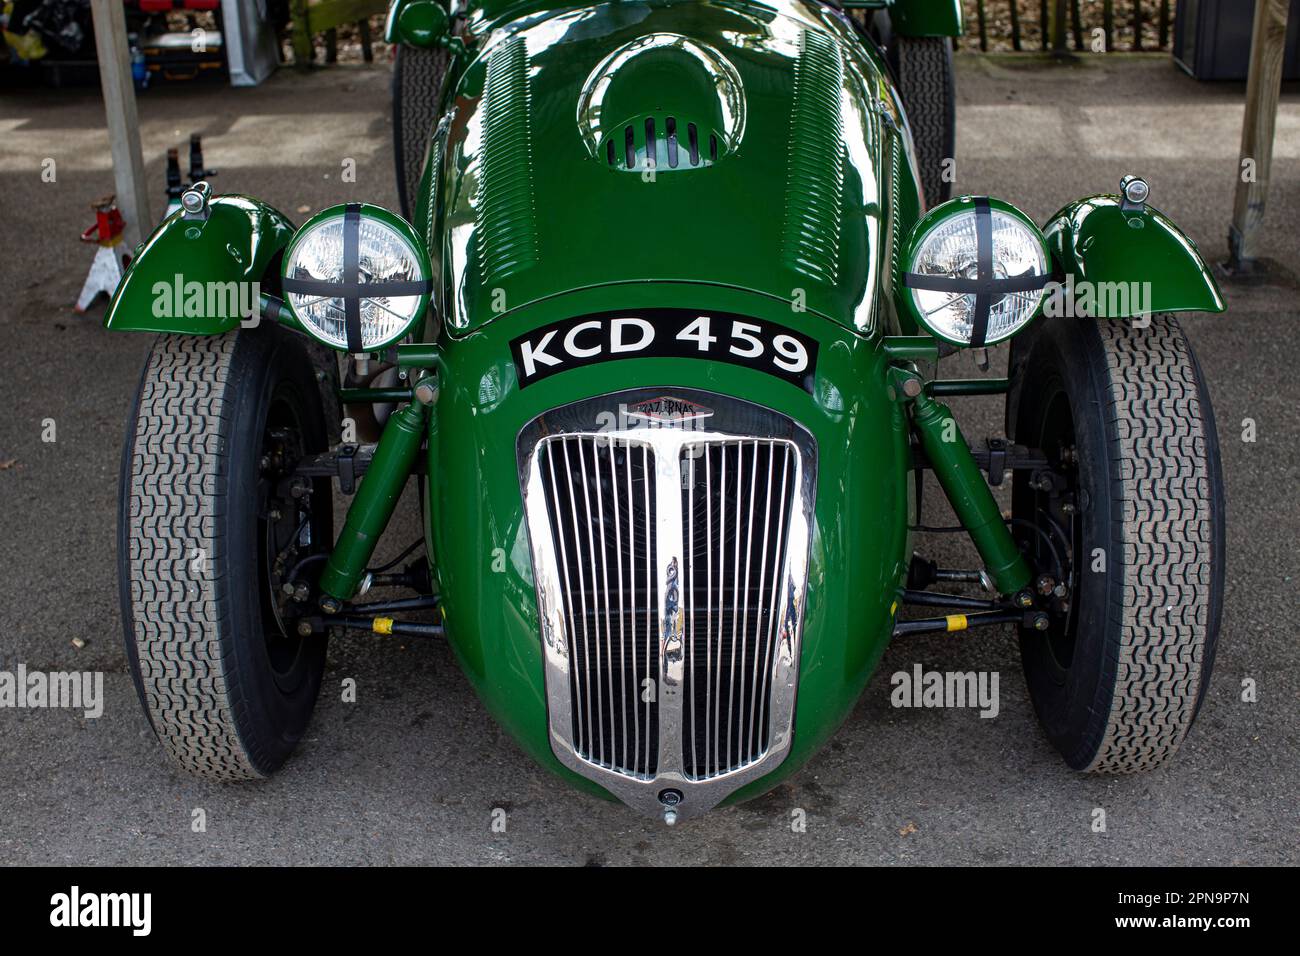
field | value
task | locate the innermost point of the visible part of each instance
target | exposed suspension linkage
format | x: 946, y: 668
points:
x: 996, y: 456
x: 1027, y: 596
x: 962, y: 622
x: 348, y: 463
x: 1020, y: 609
x: 374, y: 618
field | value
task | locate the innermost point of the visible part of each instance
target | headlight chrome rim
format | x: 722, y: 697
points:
x: 359, y: 229
x: 985, y: 285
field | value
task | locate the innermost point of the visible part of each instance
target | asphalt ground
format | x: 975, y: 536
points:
x: 412, y: 771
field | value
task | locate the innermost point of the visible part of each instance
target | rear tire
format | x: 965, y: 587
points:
x: 218, y: 424
x: 1118, y: 679
x: 925, y: 78
x: 417, y: 86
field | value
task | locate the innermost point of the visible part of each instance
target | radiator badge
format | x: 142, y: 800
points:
x: 667, y: 410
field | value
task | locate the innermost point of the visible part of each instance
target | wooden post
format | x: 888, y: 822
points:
x: 1076, y: 23
x: 1059, y: 27
x: 123, y: 124
x: 1042, y: 21
x: 1137, y: 24
x: 1267, y: 47
x: 984, y: 35
x: 303, y: 48
x: 1015, y: 25
x: 1108, y: 23
x: 367, y: 53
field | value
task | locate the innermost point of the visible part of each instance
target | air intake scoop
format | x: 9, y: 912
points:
x: 663, y: 102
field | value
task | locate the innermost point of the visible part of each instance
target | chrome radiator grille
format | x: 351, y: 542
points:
x: 601, y: 504
x: 669, y: 539
x: 736, y: 501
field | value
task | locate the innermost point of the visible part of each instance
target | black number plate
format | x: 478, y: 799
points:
x: 666, y: 333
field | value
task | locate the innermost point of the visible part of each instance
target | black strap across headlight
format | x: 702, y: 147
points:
x: 985, y: 285
x: 352, y: 270
x: 352, y: 290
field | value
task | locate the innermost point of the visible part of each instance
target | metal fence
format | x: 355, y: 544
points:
x: 1097, y: 26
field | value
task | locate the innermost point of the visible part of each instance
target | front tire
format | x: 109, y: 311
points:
x: 1136, y: 515
x: 210, y: 528
x: 925, y: 78
x: 417, y: 84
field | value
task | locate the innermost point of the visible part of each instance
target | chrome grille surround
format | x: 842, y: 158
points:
x: 578, y: 471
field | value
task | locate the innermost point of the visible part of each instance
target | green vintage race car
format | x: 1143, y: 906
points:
x: 658, y: 338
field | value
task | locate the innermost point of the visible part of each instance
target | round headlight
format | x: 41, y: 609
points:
x: 357, y: 277
x: 977, y: 269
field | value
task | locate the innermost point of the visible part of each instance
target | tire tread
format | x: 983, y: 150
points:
x: 1164, y: 536
x: 417, y: 82
x: 925, y: 75
x: 177, y: 495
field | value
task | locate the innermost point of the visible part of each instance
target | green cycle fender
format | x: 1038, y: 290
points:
x: 1118, y: 250
x: 390, y: 21
x: 926, y: 18
x: 200, y: 276
x: 918, y: 18
x: 417, y: 23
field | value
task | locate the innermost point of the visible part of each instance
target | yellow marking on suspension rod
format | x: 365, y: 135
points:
x: 382, y: 625
x: 893, y: 609
x: 956, y: 622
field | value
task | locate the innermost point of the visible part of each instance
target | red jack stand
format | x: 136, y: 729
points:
x: 106, y: 269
